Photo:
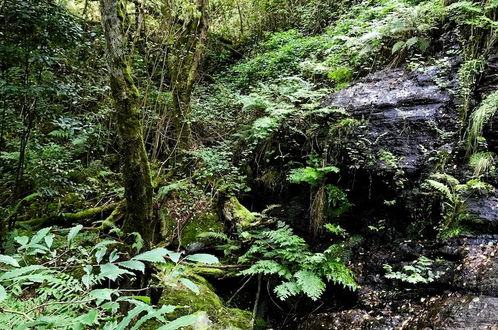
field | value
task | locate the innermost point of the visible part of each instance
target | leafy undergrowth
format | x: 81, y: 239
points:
x: 71, y: 279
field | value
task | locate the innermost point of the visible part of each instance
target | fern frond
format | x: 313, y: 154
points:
x: 310, y: 284
x: 441, y: 188
x: 286, y: 290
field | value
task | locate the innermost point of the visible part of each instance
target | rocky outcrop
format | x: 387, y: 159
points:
x: 407, y: 113
x: 465, y: 297
x: 413, y: 116
x: 488, y: 85
x: 484, y: 209
x: 456, y: 311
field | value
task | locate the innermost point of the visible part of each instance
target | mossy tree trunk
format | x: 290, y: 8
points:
x: 135, y: 165
x: 189, y: 35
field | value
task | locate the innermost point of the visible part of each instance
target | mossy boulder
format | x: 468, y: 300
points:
x: 220, y: 317
x: 204, y: 222
x: 209, y: 221
x: 238, y: 214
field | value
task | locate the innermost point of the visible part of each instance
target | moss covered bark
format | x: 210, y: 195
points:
x: 135, y: 165
x: 68, y: 218
x: 190, y: 36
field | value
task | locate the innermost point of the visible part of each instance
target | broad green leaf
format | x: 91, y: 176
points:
x: 89, y: 318
x: 3, y: 293
x: 104, y: 243
x: 99, y: 255
x: 155, y: 255
x: 111, y: 306
x: 183, y: 321
x: 8, y: 260
x: 22, y: 240
x: 158, y: 314
x: 112, y: 271
x: 144, y: 299
x: 40, y: 235
x: 410, y: 42
x: 73, y: 232
x: 397, y: 46
x: 101, y: 295
x: 190, y: 285
x: 131, y: 314
x: 86, y: 280
x: 113, y: 256
x: 203, y: 258
x: 133, y: 265
x: 174, y: 256
x: 49, y: 239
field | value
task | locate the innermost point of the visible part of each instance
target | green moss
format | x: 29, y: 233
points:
x: 238, y: 213
x: 203, y: 223
x: 167, y: 223
x: 208, y: 221
x: 207, y: 301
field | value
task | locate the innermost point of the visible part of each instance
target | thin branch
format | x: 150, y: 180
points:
x: 60, y: 303
x: 18, y: 313
x: 239, y: 289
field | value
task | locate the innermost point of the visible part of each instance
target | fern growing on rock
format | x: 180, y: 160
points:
x: 453, y: 196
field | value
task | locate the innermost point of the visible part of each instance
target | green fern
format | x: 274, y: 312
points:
x: 479, y: 118
x: 442, y: 188
x: 311, y: 175
x: 482, y: 162
x: 282, y: 254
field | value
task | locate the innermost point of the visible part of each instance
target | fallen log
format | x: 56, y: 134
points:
x: 69, y: 218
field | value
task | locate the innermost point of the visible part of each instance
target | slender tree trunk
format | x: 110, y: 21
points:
x: 136, y: 171
x: 184, y: 62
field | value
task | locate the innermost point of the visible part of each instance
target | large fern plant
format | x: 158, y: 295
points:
x: 453, y: 195
x: 283, y: 255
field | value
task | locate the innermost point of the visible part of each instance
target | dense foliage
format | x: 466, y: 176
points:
x: 229, y: 99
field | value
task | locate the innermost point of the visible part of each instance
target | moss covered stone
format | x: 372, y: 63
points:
x: 207, y: 221
x: 220, y: 317
x: 238, y: 213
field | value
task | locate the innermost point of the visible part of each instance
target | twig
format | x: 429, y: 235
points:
x: 221, y: 266
x: 59, y: 303
x: 16, y: 312
x: 269, y: 295
x: 239, y: 289
x: 256, y: 301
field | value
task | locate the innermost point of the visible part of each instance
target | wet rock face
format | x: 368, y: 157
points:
x: 405, y: 112
x: 478, y: 271
x: 484, y: 209
x: 489, y: 81
x: 466, y: 297
x: 345, y: 320
x: 456, y: 311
